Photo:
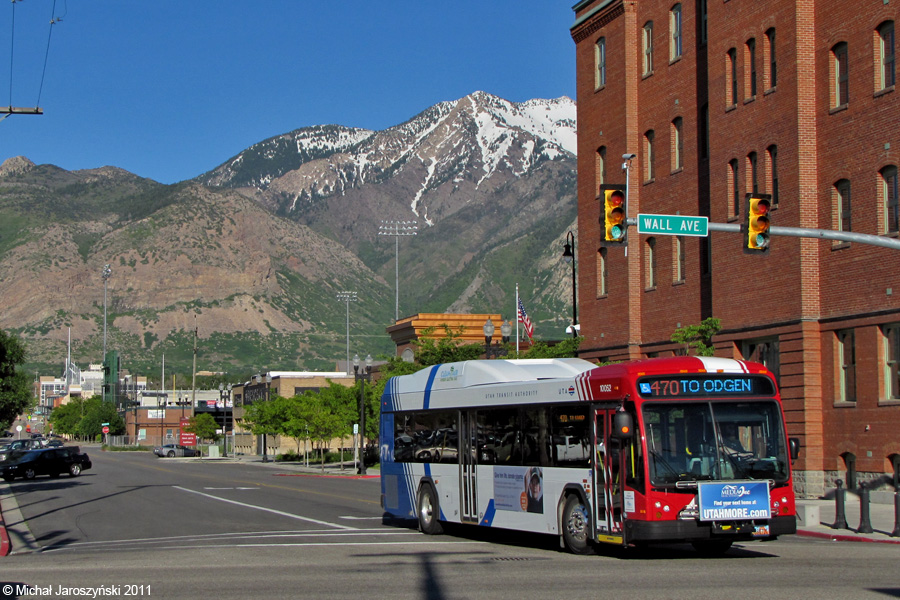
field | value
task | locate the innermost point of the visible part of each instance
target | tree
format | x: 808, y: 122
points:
x: 96, y: 413
x: 431, y: 350
x: 323, y: 424
x: 15, y: 385
x: 205, y: 426
x: 65, y: 418
x: 567, y: 348
x: 699, y: 337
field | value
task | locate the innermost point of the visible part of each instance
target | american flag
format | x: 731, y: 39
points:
x: 523, y: 318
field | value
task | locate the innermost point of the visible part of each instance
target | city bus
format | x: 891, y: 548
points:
x: 680, y: 449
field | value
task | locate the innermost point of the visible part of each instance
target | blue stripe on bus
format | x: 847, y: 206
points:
x: 488, y: 517
x: 431, y: 376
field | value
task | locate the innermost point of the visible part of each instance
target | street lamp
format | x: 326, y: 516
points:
x: 259, y: 379
x: 569, y: 257
x: 396, y: 229
x: 107, y: 271
x: 362, y: 377
x: 347, y: 297
x: 488, y: 330
x: 224, y: 397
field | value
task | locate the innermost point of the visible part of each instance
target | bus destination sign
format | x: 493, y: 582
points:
x: 705, y: 386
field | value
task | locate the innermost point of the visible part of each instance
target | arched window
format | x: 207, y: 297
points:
x: 648, y: 156
x: 600, y: 63
x: 842, y: 205
x: 601, y: 165
x: 650, y: 264
x: 750, y: 68
x: 602, y: 273
x: 840, y: 80
x: 734, y: 198
x: 891, y: 196
x: 677, y: 144
x: 772, y: 174
x: 648, y: 47
x: 772, y: 75
x: 675, y: 41
x: 886, y: 67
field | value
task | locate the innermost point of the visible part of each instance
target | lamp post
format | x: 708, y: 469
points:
x: 396, y: 229
x: 224, y: 397
x: 489, y: 329
x: 107, y: 271
x: 347, y: 297
x: 362, y: 378
x: 268, y: 380
x: 569, y: 257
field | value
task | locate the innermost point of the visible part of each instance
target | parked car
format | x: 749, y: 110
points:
x: 45, y: 461
x: 7, y: 451
x: 171, y: 450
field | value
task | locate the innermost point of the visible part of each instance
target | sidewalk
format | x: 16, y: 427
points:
x: 348, y: 469
x: 816, y: 518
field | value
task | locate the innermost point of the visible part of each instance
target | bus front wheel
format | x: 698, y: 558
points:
x: 428, y: 511
x: 576, y: 526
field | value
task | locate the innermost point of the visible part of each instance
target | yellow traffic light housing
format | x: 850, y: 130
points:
x: 756, y: 223
x: 613, y: 215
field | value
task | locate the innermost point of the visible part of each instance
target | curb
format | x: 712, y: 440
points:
x: 836, y: 537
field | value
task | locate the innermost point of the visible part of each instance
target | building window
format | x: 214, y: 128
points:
x: 650, y: 264
x: 734, y: 199
x: 701, y: 10
x: 678, y: 263
x: 840, y: 88
x: 886, y: 54
x: 648, y: 156
x: 752, y: 173
x: 731, y: 91
x: 675, y: 26
x: 751, y: 68
x: 601, y: 165
x: 773, y: 65
x: 846, y: 355
x: 765, y: 351
x: 891, y: 335
x: 602, y: 273
x: 600, y: 63
x: 842, y: 205
x: 648, y: 48
x: 772, y: 174
x: 677, y: 144
x: 890, y: 193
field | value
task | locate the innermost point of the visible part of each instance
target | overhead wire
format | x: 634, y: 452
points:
x: 53, y: 20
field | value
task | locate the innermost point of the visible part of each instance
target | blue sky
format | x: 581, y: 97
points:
x: 169, y: 89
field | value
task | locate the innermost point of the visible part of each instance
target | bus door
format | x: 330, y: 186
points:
x: 468, y: 509
x: 607, y: 479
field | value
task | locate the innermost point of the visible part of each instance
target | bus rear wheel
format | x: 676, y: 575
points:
x: 576, y: 526
x: 428, y: 511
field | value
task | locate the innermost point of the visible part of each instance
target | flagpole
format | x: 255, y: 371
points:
x: 517, y: 320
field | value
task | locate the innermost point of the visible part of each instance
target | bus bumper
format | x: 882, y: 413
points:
x: 675, y: 531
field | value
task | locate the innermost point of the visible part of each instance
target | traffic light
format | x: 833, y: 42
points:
x: 756, y: 223
x: 613, y: 215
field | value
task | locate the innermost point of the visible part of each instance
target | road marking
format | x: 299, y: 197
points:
x: 264, y: 509
x: 231, y: 488
x: 349, y: 518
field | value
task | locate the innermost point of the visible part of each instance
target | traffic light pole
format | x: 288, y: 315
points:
x: 824, y: 234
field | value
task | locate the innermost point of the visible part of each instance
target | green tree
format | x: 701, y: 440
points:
x: 204, y: 425
x: 698, y: 337
x: 15, y: 386
x: 431, y: 350
x: 323, y: 424
x: 65, y: 418
x: 567, y: 348
x: 96, y: 413
x: 262, y: 417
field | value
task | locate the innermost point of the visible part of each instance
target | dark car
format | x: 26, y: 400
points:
x: 45, y: 461
x: 170, y: 450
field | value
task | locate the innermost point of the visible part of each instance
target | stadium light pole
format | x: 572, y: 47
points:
x: 396, y: 229
x: 347, y: 297
x: 107, y: 271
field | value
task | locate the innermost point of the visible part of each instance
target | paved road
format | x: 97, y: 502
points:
x: 227, y: 530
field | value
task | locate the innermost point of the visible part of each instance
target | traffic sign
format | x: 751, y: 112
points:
x: 673, y: 225
x: 106, y: 430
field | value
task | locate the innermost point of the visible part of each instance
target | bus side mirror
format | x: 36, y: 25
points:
x: 623, y: 426
x: 794, y: 447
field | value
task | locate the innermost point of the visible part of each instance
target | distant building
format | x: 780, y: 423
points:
x: 410, y: 329
x: 719, y: 100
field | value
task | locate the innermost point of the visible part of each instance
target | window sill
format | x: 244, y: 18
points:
x: 732, y: 219
x: 649, y: 181
x: 844, y: 404
x: 890, y: 402
x: 883, y: 91
x: 675, y: 60
x: 840, y: 245
x: 730, y: 107
x: 838, y: 109
x: 599, y: 88
x: 650, y: 289
x: 676, y: 171
x: 647, y: 74
x: 771, y: 90
x: 678, y: 282
x: 602, y: 296
x: 892, y: 234
x: 749, y: 100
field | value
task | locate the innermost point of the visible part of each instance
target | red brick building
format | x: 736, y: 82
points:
x: 718, y: 99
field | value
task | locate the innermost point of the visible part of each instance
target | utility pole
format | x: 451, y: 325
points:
x: 194, y: 371
x: 396, y: 229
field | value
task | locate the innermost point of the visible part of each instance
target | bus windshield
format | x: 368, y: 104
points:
x: 714, y: 441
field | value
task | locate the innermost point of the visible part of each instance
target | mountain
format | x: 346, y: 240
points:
x: 252, y: 253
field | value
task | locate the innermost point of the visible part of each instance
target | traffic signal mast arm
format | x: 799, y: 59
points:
x: 824, y: 234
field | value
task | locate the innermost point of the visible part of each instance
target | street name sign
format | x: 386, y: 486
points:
x: 673, y: 225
